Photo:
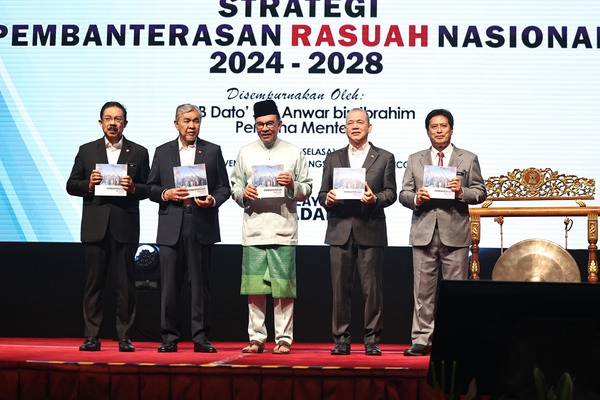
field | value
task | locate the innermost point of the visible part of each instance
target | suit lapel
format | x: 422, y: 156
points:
x: 343, y: 155
x: 456, y: 158
x: 425, y: 158
x: 101, y: 152
x: 369, y: 160
x: 200, y: 151
x: 174, y: 153
x: 371, y: 157
x: 125, y: 152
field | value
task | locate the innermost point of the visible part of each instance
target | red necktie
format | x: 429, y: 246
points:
x: 440, y: 158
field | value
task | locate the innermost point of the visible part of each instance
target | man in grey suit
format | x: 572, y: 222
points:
x: 110, y: 225
x: 356, y: 232
x: 439, y: 232
x: 188, y: 227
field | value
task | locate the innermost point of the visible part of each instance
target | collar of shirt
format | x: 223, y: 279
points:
x: 271, y: 145
x: 357, y: 156
x: 447, y: 154
x: 362, y: 150
x: 187, y: 155
x: 189, y: 146
x: 113, y: 151
x: 116, y: 146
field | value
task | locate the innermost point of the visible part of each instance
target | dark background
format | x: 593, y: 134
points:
x: 41, y: 287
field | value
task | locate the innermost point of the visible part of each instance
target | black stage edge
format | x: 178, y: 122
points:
x: 41, y: 288
x: 498, y: 332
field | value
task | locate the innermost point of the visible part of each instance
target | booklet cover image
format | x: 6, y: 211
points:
x: 264, y: 177
x: 192, y: 177
x: 111, y: 180
x: 435, y: 180
x: 349, y: 183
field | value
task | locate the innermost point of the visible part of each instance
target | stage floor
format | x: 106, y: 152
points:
x: 55, y: 368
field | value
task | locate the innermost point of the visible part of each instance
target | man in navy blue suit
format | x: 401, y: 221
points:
x: 188, y: 228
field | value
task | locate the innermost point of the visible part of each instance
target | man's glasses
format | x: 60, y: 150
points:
x: 269, y: 124
x: 108, y: 120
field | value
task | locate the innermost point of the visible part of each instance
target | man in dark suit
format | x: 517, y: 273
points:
x: 110, y: 225
x: 356, y: 232
x: 439, y: 231
x: 187, y: 227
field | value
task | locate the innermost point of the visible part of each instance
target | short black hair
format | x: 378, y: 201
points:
x: 442, y: 112
x: 109, y: 104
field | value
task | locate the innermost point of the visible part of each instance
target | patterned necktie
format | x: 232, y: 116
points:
x: 440, y: 159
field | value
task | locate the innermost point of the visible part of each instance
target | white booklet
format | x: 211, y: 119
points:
x: 349, y: 183
x: 435, y: 180
x: 111, y: 180
x: 264, y: 177
x: 192, y: 177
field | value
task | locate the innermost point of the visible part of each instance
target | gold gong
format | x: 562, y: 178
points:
x: 536, y: 260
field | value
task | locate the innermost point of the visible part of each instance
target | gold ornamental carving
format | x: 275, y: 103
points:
x: 593, y: 227
x: 538, y: 183
x: 532, y: 178
x: 475, y: 223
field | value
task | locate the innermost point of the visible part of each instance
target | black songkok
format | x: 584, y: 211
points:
x: 266, y: 107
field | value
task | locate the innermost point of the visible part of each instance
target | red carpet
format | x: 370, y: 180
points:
x: 37, y: 368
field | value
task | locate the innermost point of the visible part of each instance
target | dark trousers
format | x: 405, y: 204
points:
x: 368, y: 262
x: 187, y: 255
x: 102, y: 259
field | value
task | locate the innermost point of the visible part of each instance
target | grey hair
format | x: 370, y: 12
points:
x: 361, y: 110
x: 187, y: 107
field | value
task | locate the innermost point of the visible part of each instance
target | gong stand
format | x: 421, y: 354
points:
x: 537, y: 184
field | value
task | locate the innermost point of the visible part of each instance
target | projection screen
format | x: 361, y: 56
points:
x: 521, y: 78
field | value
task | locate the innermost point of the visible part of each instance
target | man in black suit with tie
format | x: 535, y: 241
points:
x: 110, y: 225
x: 356, y: 232
x: 187, y: 227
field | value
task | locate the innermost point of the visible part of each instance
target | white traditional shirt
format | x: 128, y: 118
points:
x: 271, y: 221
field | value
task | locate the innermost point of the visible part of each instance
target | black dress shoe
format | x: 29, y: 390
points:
x: 418, y: 350
x: 90, y: 344
x: 341, y: 349
x: 204, y: 347
x: 168, y: 347
x: 372, y: 349
x: 125, y: 345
